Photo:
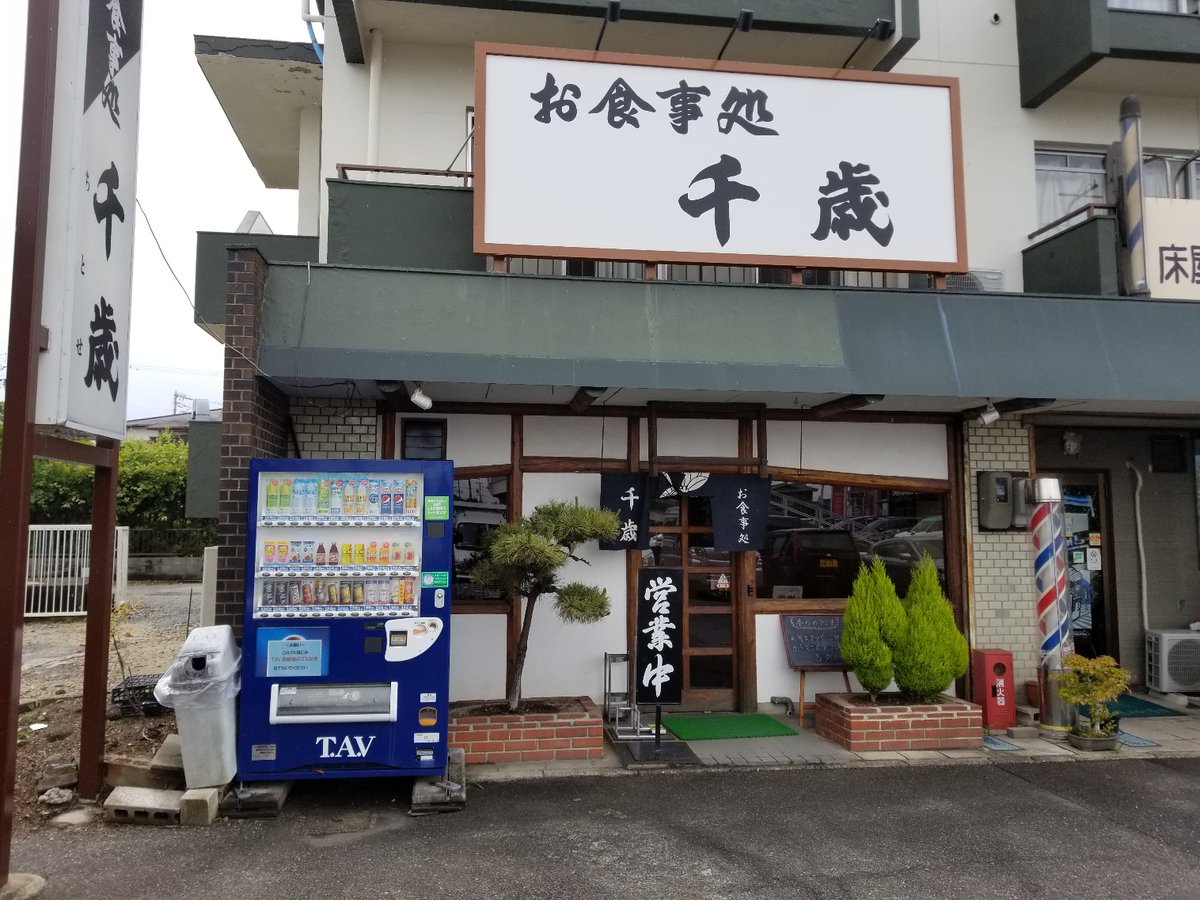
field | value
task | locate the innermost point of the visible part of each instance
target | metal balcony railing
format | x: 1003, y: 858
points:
x: 1178, y: 7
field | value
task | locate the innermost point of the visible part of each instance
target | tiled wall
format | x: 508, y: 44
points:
x: 336, y: 428
x: 1003, y: 611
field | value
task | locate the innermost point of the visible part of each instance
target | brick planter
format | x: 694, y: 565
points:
x: 850, y: 720
x: 574, y: 732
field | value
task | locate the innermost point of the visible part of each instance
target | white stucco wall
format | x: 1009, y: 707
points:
x: 692, y: 437
x: 572, y: 436
x: 775, y: 676
x: 568, y: 659
x: 866, y: 448
x: 477, y: 650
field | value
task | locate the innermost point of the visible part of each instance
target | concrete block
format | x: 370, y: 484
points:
x: 143, y: 806
x: 1022, y: 731
x: 1028, y: 715
x: 259, y: 800
x: 168, y: 757
x: 199, y: 806
x: 445, y: 794
x: 63, y: 775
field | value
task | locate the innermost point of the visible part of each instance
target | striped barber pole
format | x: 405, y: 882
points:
x: 1050, y: 575
x: 1131, y: 186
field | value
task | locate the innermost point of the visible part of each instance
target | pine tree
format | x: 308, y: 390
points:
x: 873, y: 623
x: 524, y: 558
x: 932, y: 651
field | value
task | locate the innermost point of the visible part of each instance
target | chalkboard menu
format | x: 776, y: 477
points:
x: 813, y: 641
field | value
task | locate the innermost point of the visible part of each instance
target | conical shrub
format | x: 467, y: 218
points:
x: 874, y: 621
x: 932, y: 651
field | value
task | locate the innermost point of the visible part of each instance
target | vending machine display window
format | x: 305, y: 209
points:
x: 334, y: 544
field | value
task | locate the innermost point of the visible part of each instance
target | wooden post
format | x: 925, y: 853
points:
x: 25, y: 337
x: 99, y: 617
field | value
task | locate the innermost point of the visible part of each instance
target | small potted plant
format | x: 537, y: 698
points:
x: 1092, y: 684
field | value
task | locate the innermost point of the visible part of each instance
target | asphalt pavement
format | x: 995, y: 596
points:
x: 1121, y: 828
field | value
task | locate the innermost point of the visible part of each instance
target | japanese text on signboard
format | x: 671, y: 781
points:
x: 669, y: 160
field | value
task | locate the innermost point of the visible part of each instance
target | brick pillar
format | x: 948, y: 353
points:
x: 253, y: 423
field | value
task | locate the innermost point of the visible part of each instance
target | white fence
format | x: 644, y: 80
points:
x: 56, y: 571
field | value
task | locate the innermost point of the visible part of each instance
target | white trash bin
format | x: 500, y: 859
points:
x: 202, y: 685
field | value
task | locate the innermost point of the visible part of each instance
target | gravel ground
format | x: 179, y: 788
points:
x: 148, y: 638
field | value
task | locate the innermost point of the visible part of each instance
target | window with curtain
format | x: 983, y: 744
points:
x: 1067, y: 181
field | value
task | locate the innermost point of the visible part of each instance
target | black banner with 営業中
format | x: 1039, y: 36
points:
x: 658, y: 653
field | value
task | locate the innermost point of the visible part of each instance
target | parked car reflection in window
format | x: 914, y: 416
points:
x: 901, y: 554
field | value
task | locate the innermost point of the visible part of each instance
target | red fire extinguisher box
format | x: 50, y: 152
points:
x: 992, y: 677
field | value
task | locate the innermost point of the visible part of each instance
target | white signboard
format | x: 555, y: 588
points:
x: 82, y: 380
x: 1173, y: 248
x: 614, y: 156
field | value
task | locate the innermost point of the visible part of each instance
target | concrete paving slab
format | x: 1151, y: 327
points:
x: 21, y: 886
x: 929, y: 755
x: 80, y: 815
x: 880, y: 754
x: 169, y: 756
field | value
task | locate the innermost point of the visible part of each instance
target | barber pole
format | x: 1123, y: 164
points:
x: 1053, y: 612
x: 1134, y: 209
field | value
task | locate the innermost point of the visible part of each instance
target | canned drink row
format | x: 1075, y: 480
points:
x: 340, y: 496
x: 316, y: 554
x: 334, y: 592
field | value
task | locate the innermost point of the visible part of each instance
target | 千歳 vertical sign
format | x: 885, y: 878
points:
x: 658, y: 656
x: 83, y: 379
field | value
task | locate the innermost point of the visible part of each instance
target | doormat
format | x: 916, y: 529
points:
x: 1132, y: 740
x: 995, y: 743
x: 717, y: 727
x: 1128, y: 706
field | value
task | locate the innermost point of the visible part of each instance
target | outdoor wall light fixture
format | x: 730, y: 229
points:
x: 419, y: 399
x: 1072, y: 443
x: 844, y: 404
x: 611, y: 14
x: 744, y: 22
x: 585, y: 397
x: 880, y: 30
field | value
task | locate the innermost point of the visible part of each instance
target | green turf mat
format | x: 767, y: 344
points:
x: 1128, y: 706
x: 715, y: 727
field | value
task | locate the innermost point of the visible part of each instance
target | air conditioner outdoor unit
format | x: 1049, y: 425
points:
x: 976, y: 280
x: 1173, y: 660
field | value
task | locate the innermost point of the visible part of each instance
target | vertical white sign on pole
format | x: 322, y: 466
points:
x: 83, y: 376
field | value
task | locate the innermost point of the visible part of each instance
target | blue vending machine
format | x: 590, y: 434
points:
x: 346, y: 637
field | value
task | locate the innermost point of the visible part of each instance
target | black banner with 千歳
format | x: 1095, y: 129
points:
x: 658, y: 645
x: 627, y: 494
